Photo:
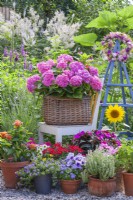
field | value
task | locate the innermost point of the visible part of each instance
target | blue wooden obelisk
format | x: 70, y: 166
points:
x: 123, y: 75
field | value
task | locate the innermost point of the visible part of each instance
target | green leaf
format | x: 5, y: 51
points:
x: 130, y: 23
x: 86, y: 39
x: 126, y: 13
x: 106, y: 19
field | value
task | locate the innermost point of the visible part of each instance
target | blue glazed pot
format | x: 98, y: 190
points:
x: 43, y: 184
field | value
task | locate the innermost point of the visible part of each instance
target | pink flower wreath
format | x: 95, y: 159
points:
x: 109, y: 43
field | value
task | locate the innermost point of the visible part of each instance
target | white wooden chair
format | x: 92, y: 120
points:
x: 60, y: 131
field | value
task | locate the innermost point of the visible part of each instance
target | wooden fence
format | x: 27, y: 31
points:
x: 6, y: 12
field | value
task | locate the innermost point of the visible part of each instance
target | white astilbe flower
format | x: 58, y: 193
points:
x: 59, y: 32
x: 26, y: 28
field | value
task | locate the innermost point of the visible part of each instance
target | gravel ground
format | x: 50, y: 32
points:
x: 25, y: 194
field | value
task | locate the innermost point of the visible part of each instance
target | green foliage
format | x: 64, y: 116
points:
x: 100, y: 165
x: 38, y: 167
x: 86, y: 39
x: 13, y: 144
x: 124, y: 156
x: 114, y: 21
x: 16, y: 102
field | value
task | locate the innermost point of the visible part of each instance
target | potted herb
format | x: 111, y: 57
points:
x: 101, y: 170
x: 14, y: 152
x: 70, y: 172
x: 125, y: 162
x: 39, y: 174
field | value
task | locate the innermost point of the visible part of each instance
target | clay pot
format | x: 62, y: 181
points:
x: 70, y: 186
x: 119, y: 181
x: 101, y: 188
x: 128, y: 183
x: 8, y: 171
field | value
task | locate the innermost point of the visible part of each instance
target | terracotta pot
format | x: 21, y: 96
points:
x: 119, y: 181
x: 128, y: 183
x: 70, y: 186
x: 8, y: 171
x: 101, y: 188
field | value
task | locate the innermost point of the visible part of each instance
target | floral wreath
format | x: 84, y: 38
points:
x: 109, y: 43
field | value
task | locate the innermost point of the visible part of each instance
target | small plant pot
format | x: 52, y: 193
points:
x: 101, y: 188
x: 8, y: 171
x: 43, y: 184
x: 70, y: 186
x: 128, y: 183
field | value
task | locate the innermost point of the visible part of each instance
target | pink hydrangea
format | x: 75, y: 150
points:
x: 31, y: 82
x: 76, y: 81
x: 50, y: 62
x: 43, y: 67
x: 62, y: 80
x: 48, y: 78
x: 62, y: 64
x: 95, y: 83
x: 65, y: 57
x: 85, y: 75
x: 75, y: 66
x: 93, y: 71
x: 68, y: 73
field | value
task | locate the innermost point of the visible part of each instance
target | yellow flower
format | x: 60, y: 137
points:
x: 114, y: 113
x: 44, y: 159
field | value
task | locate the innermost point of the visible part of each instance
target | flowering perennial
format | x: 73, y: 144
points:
x: 109, y: 42
x: 98, y: 138
x: 58, y: 150
x: 65, y: 77
x: 71, y: 167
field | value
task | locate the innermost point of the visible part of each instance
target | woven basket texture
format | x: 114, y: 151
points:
x: 67, y: 111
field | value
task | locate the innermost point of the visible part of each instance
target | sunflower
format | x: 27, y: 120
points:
x: 115, y: 113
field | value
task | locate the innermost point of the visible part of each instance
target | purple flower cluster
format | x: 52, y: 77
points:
x: 67, y: 72
x: 31, y: 82
x: 109, y: 42
x: 98, y: 137
x: 72, y: 166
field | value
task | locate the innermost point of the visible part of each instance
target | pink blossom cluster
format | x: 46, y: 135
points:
x: 109, y: 42
x: 31, y: 82
x: 65, y: 72
x: 109, y: 149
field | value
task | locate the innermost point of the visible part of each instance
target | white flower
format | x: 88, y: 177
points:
x: 59, y: 32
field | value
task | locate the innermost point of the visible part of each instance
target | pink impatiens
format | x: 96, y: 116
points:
x: 63, y: 77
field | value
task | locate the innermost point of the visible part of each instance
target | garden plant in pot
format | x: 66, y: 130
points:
x: 14, y: 152
x: 125, y: 161
x: 70, y: 172
x: 39, y: 174
x: 67, y: 86
x: 101, y: 170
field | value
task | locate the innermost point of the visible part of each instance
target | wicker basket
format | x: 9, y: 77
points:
x: 67, y: 111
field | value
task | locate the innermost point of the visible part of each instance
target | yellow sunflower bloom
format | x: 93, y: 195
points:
x: 114, y: 113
